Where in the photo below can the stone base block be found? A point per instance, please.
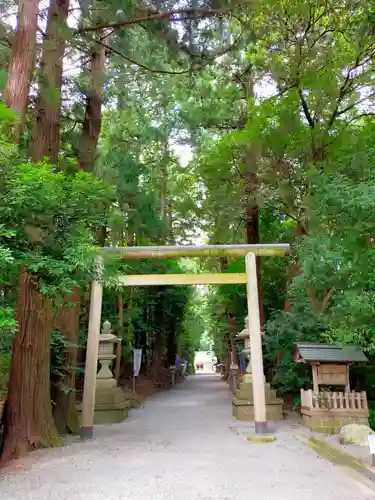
(111, 406)
(109, 414)
(109, 396)
(244, 410)
(330, 421)
(113, 414)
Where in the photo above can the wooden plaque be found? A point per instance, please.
(329, 374)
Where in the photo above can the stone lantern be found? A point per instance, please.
(106, 356)
(245, 336)
(111, 403)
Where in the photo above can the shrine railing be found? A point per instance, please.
(352, 401)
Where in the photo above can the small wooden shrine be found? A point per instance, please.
(328, 410)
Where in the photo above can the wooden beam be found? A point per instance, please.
(182, 279)
(165, 252)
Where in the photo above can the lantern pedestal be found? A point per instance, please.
(111, 405)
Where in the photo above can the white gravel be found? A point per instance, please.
(183, 445)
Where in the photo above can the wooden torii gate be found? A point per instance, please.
(136, 253)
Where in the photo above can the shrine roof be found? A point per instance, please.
(329, 353)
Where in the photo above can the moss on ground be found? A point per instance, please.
(261, 439)
(331, 453)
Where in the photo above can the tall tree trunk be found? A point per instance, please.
(171, 239)
(87, 147)
(163, 196)
(232, 329)
(164, 233)
(46, 143)
(251, 207)
(232, 334)
(46, 138)
(22, 61)
(295, 268)
(64, 393)
(29, 417)
(29, 411)
(120, 310)
(93, 114)
(252, 238)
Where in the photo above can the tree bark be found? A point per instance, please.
(295, 268)
(29, 416)
(251, 190)
(64, 393)
(164, 233)
(16, 94)
(232, 328)
(46, 143)
(93, 113)
(29, 420)
(120, 310)
(253, 237)
(232, 334)
(46, 138)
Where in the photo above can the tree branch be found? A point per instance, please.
(158, 16)
(351, 106)
(326, 300)
(361, 115)
(345, 87)
(6, 43)
(305, 108)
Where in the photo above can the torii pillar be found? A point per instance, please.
(256, 358)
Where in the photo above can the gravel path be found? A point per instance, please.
(183, 445)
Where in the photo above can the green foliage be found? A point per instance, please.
(283, 330)
(5, 360)
(7, 322)
(362, 377)
(337, 256)
(194, 327)
(58, 345)
(371, 419)
(48, 219)
(59, 370)
(151, 313)
(7, 330)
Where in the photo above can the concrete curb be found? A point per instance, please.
(338, 457)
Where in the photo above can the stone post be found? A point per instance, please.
(233, 373)
(172, 370)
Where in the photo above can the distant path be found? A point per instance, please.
(184, 445)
